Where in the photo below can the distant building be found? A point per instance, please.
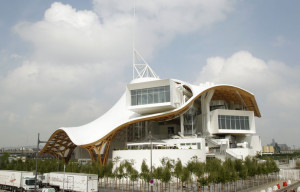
(268, 150)
(280, 147)
(284, 147)
(289, 151)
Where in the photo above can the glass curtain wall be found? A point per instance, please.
(150, 95)
(137, 132)
(191, 121)
(233, 122)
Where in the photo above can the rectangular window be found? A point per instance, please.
(237, 123)
(227, 122)
(144, 99)
(170, 130)
(233, 122)
(160, 97)
(167, 88)
(247, 125)
(139, 99)
(150, 98)
(199, 145)
(144, 91)
(155, 97)
(150, 95)
(167, 94)
(133, 100)
(223, 123)
(161, 89)
(242, 119)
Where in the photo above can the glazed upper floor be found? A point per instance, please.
(149, 96)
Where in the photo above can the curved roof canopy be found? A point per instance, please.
(97, 135)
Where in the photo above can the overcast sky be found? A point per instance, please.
(65, 63)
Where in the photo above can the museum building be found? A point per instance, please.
(175, 119)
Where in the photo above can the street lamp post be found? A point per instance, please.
(64, 177)
(151, 174)
(36, 160)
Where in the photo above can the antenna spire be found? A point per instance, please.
(141, 69)
(133, 39)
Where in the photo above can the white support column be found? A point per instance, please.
(182, 124)
(205, 101)
(146, 129)
(203, 115)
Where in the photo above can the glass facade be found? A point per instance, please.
(191, 121)
(233, 122)
(150, 95)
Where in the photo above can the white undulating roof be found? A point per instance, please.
(119, 115)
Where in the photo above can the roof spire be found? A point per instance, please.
(141, 69)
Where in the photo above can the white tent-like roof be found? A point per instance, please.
(97, 135)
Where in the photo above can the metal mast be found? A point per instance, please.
(141, 69)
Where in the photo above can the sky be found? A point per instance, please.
(65, 63)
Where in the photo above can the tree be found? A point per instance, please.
(157, 174)
(130, 171)
(199, 172)
(167, 169)
(229, 171)
(184, 177)
(133, 175)
(166, 162)
(166, 175)
(213, 168)
(145, 173)
(251, 165)
(192, 167)
(229, 167)
(202, 181)
(101, 174)
(107, 170)
(178, 170)
(4, 160)
(241, 169)
(272, 166)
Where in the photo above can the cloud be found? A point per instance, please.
(240, 69)
(69, 36)
(77, 67)
(272, 78)
(75, 58)
(275, 85)
(158, 22)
